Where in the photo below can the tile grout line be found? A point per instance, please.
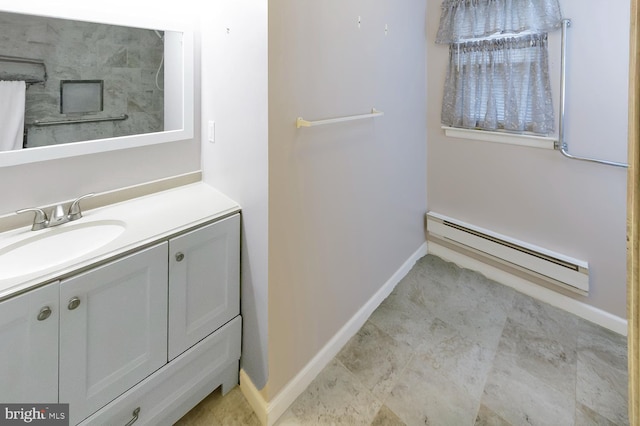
(493, 360)
(357, 380)
(411, 358)
(400, 374)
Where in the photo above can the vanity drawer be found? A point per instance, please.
(168, 394)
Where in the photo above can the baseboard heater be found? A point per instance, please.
(552, 267)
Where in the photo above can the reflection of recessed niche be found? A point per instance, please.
(81, 96)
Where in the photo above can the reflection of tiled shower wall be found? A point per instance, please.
(127, 59)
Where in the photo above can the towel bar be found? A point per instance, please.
(300, 122)
(29, 61)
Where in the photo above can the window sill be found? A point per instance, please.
(501, 137)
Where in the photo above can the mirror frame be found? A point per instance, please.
(72, 149)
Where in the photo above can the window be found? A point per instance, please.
(498, 72)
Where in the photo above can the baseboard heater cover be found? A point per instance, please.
(553, 267)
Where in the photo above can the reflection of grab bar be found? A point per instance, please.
(300, 122)
(80, 120)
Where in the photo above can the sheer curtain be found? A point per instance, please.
(498, 73)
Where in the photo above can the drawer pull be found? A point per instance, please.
(44, 313)
(179, 256)
(135, 414)
(73, 303)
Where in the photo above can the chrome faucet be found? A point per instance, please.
(57, 215)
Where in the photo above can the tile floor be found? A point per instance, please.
(450, 347)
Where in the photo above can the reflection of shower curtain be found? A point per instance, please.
(12, 100)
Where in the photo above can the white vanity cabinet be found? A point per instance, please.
(113, 329)
(136, 331)
(204, 282)
(202, 348)
(29, 346)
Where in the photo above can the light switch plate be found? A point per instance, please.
(211, 131)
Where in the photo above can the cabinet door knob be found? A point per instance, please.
(135, 415)
(179, 256)
(44, 313)
(74, 303)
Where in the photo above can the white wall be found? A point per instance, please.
(52, 181)
(234, 95)
(346, 201)
(536, 195)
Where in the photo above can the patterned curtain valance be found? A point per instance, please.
(467, 19)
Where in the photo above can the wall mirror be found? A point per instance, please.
(72, 86)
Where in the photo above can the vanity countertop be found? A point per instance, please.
(146, 220)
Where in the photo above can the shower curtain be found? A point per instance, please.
(12, 104)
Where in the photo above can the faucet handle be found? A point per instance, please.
(74, 208)
(40, 221)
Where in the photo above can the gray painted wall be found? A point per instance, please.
(346, 201)
(537, 195)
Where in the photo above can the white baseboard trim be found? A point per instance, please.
(270, 412)
(253, 397)
(576, 307)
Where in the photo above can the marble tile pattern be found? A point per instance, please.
(450, 347)
(126, 59)
(231, 409)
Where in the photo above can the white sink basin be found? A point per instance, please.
(39, 250)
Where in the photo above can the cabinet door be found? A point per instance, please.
(113, 329)
(204, 282)
(29, 347)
